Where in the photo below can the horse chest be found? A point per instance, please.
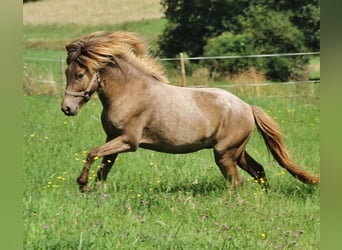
(112, 125)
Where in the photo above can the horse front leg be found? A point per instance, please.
(105, 167)
(82, 180)
(113, 147)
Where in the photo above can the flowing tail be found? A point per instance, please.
(275, 144)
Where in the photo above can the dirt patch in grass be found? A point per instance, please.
(90, 12)
(314, 67)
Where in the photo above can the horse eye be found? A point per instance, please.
(79, 76)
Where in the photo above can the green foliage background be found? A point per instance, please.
(254, 27)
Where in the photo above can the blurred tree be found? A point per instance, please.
(193, 22)
(234, 27)
(304, 14)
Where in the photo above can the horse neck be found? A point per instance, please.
(119, 83)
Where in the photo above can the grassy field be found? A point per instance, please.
(153, 200)
(90, 12)
(161, 201)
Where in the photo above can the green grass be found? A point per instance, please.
(161, 201)
(54, 37)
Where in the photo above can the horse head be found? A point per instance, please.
(81, 84)
(94, 53)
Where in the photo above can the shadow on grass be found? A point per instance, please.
(197, 188)
(295, 190)
(219, 186)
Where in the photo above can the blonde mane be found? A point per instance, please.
(98, 49)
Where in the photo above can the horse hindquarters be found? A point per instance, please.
(235, 129)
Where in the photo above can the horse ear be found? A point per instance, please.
(83, 49)
(114, 60)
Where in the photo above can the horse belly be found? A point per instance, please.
(177, 138)
(175, 148)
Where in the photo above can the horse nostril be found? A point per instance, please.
(66, 110)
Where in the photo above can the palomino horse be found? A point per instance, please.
(141, 110)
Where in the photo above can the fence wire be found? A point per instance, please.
(61, 64)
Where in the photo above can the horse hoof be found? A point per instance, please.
(84, 189)
(265, 187)
(82, 181)
(101, 186)
(264, 184)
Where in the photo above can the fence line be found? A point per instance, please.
(41, 59)
(245, 56)
(230, 85)
(43, 81)
(268, 84)
(181, 58)
(200, 57)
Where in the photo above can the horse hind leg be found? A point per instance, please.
(251, 166)
(228, 168)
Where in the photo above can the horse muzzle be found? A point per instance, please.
(70, 109)
(67, 111)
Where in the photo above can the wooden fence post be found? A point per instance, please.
(182, 69)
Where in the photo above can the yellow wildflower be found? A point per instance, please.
(263, 236)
